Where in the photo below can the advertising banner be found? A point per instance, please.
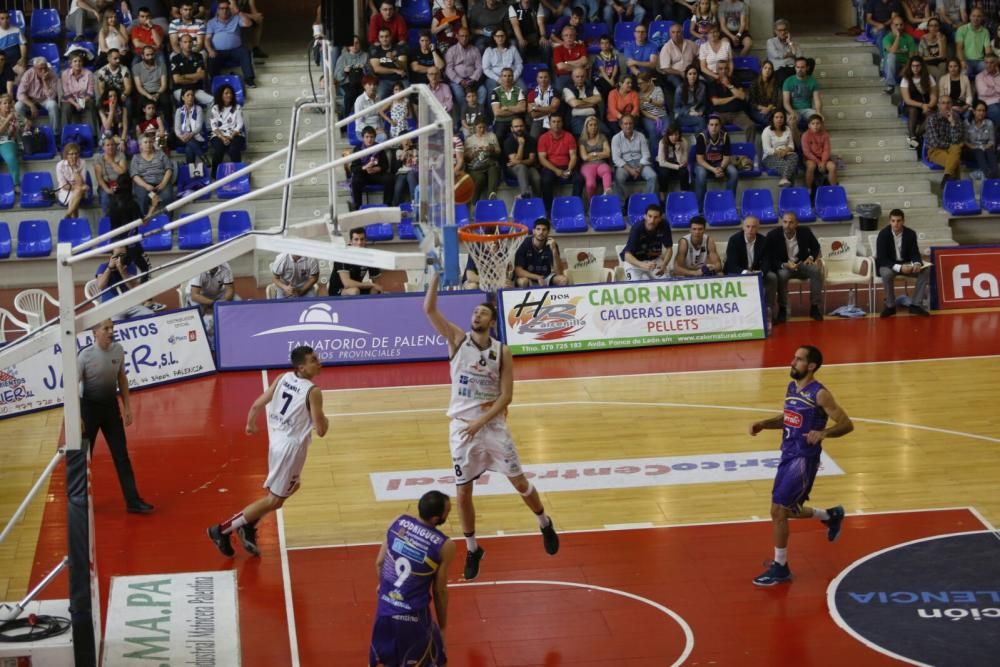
(635, 314)
(158, 348)
(344, 330)
(967, 276)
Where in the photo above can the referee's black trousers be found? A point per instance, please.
(106, 418)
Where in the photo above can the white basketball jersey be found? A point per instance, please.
(696, 256)
(475, 378)
(288, 412)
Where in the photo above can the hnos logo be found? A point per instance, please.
(984, 285)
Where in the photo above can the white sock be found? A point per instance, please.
(470, 542)
(781, 556)
(235, 522)
(543, 519)
(822, 515)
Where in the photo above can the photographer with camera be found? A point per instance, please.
(123, 209)
(119, 273)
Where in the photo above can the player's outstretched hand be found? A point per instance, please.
(251, 428)
(814, 437)
(756, 428)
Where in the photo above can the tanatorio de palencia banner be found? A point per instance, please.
(158, 348)
(635, 314)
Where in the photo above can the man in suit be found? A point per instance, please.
(793, 252)
(897, 254)
(745, 254)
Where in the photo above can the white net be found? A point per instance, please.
(492, 247)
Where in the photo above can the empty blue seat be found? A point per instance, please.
(186, 184)
(234, 188)
(74, 231)
(797, 201)
(933, 166)
(378, 231)
(7, 196)
(352, 134)
(50, 144)
(624, 34)
(747, 150)
(681, 207)
(34, 238)
(760, 204)
(461, 215)
(659, 32)
(720, 208)
(746, 63)
(195, 234)
(416, 12)
(45, 25)
(687, 29)
(161, 241)
(637, 205)
(958, 198)
(5, 242)
(591, 35)
(103, 227)
(526, 211)
(990, 195)
(404, 230)
(17, 20)
(220, 80)
(606, 214)
(831, 203)
(80, 134)
(530, 74)
(568, 216)
(32, 184)
(46, 50)
(491, 210)
(233, 223)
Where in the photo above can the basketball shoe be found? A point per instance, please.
(248, 538)
(775, 574)
(221, 541)
(833, 523)
(472, 563)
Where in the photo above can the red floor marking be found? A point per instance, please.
(702, 573)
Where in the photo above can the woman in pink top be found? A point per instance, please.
(622, 100)
(816, 150)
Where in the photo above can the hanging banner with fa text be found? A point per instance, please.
(637, 314)
(159, 348)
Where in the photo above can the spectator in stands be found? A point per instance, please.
(387, 18)
(294, 275)
(71, 180)
(113, 36)
(878, 17)
(933, 48)
(224, 43)
(729, 102)
(83, 15)
(971, 43)
(538, 262)
(765, 96)
(734, 21)
(641, 55)
(471, 111)
(988, 87)
(150, 78)
(398, 114)
(898, 47)
(146, 33)
(595, 152)
(919, 93)
(714, 50)
(464, 67)
(388, 61)
(13, 45)
(817, 155)
(953, 15)
(567, 57)
(652, 110)
(482, 163)
(152, 173)
(440, 90)
(672, 161)
(206, 288)
(616, 11)
(574, 18)
(225, 121)
(499, 57)
(373, 170)
(557, 153)
(745, 254)
(485, 18)
(676, 56)
(703, 19)
(7, 77)
(801, 97)
(354, 279)
(649, 247)
(980, 140)
(944, 136)
(713, 156)
(543, 104)
(77, 94)
(252, 34)
(696, 253)
(38, 89)
(957, 86)
(689, 102)
(350, 71)
(119, 274)
(607, 67)
(153, 123)
(188, 24)
(187, 71)
(898, 254)
(109, 167)
(792, 251)
(528, 26)
(917, 13)
(11, 126)
(778, 147)
(623, 100)
(189, 121)
(782, 51)
(446, 22)
(115, 76)
(424, 59)
(584, 101)
(114, 117)
(367, 102)
(630, 156)
(520, 156)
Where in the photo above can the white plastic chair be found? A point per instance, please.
(90, 290)
(843, 266)
(31, 304)
(592, 275)
(7, 316)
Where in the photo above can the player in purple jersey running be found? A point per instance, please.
(808, 406)
(414, 557)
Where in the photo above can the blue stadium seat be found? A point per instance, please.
(568, 216)
(88, 198)
(413, 39)
(103, 227)
(720, 208)
(760, 204)
(7, 195)
(34, 238)
(352, 134)
(162, 241)
(219, 80)
(746, 150)
(681, 207)
(831, 203)
(50, 144)
(232, 189)
(5, 241)
(461, 215)
(186, 184)
(233, 223)
(687, 29)
(46, 50)
(591, 35)
(195, 234)
(530, 74)
(958, 198)
(797, 201)
(416, 12)
(74, 231)
(378, 231)
(32, 184)
(990, 195)
(405, 230)
(17, 20)
(81, 134)
(933, 166)
(624, 34)
(491, 210)
(637, 205)
(45, 25)
(747, 64)
(526, 211)
(659, 32)
(606, 214)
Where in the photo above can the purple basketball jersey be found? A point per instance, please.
(412, 558)
(802, 414)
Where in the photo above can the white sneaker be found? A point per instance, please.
(784, 183)
(912, 142)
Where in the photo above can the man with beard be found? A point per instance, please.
(808, 406)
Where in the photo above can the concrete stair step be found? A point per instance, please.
(895, 200)
(869, 188)
(832, 56)
(853, 156)
(862, 112)
(868, 81)
(880, 125)
(841, 70)
(843, 141)
(862, 96)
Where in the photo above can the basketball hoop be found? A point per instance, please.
(491, 246)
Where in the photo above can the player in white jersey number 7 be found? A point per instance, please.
(482, 386)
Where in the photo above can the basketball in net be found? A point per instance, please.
(492, 245)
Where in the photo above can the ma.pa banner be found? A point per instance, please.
(637, 314)
(159, 348)
(344, 330)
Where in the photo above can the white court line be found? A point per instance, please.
(685, 628)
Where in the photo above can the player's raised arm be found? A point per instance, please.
(842, 423)
(441, 584)
(319, 420)
(261, 401)
(778, 421)
(447, 329)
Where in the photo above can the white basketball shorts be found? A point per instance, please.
(492, 448)
(284, 467)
